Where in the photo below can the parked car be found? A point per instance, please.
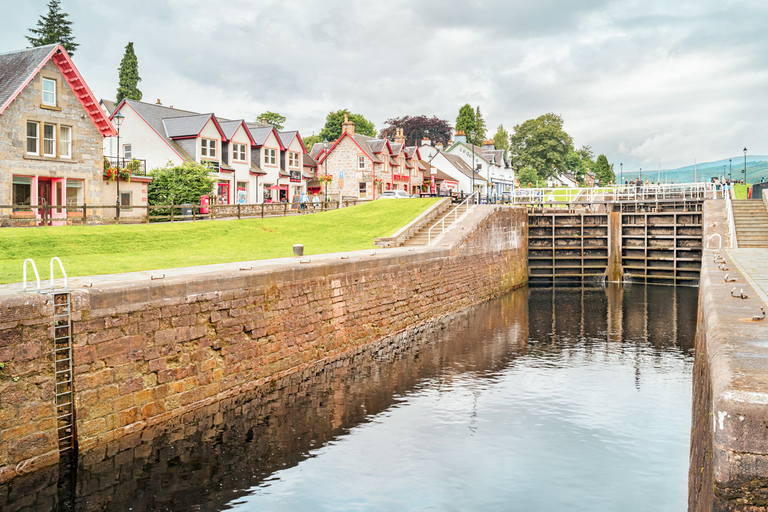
(394, 194)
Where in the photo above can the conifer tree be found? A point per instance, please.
(480, 128)
(465, 121)
(129, 76)
(54, 28)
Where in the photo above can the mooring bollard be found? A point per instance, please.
(298, 250)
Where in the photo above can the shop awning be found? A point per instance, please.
(278, 187)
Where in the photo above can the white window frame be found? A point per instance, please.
(53, 140)
(208, 147)
(65, 143)
(293, 159)
(361, 162)
(51, 103)
(362, 190)
(128, 151)
(36, 138)
(238, 152)
(269, 156)
(74, 185)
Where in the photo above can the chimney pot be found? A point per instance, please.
(158, 102)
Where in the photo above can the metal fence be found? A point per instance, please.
(86, 214)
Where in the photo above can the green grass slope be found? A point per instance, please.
(94, 250)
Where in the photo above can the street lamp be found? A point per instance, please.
(472, 134)
(325, 149)
(745, 166)
(118, 118)
(730, 169)
(621, 176)
(488, 174)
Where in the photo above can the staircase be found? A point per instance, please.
(751, 220)
(421, 237)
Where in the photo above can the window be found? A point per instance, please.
(269, 156)
(49, 92)
(127, 151)
(238, 152)
(242, 192)
(49, 139)
(65, 139)
(208, 147)
(293, 159)
(22, 190)
(361, 162)
(33, 138)
(74, 192)
(126, 199)
(363, 190)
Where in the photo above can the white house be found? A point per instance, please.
(488, 162)
(456, 174)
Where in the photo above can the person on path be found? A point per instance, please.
(315, 200)
(303, 200)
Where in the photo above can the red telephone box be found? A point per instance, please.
(204, 202)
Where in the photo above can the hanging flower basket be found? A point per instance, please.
(325, 178)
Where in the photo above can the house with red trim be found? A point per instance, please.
(362, 167)
(252, 161)
(51, 135)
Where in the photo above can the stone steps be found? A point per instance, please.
(421, 237)
(750, 219)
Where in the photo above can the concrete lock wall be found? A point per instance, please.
(151, 351)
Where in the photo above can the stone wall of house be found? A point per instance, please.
(344, 159)
(86, 162)
(150, 351)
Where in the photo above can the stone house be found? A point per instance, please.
(51, 135)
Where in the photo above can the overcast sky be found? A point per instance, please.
(642, 81)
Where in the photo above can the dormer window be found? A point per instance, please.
(293, 159)
(49, 92)
(269, 156)
(208, 148)
(238, 152)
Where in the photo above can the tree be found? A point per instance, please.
(470, 120)
(272, 118)
(415, 128)
(333, 121)
(501, 139)
(311, 141)
(480, 128)
(54, 28)
(180, 184)
(528, 177)
(604, 170)
(129, 76)
(542, 144)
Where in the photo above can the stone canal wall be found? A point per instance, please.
(152, 350)
(729, 430)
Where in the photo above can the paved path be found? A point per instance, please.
(753, 264)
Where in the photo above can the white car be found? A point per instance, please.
(394, 194)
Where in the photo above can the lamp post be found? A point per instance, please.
(325, 160)
(472, 134)
(621, 175)
(745, 166)
(730, 169)
(118, 118)
(488, 174)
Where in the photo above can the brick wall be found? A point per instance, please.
(148, 352)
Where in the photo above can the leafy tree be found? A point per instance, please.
(311, 141)
(604, 170)
(334, 120)
(415, 128)
(528, 177)
(542, 144)
(501, 139)
(180, 184)
(54, 28)
(129, 76)
(470, 120)
(272, 118)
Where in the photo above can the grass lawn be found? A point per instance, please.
(93, 250)
(740, 191)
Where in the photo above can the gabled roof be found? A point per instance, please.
(19, 68)
(411, 151)
(260, 133)
(317, 149)
(462, 166)
(396, 148)
(308, 161)
(378, 145)
(154, 115)
(360, 140)
(479, 152)
(287, 137)
(187, 126)
(230, 128)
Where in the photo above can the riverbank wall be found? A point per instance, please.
(152, 350)
(729, 431)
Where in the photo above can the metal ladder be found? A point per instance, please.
(62, 360)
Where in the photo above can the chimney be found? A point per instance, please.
(439, 146)
(489, 144)
(460, 137)
(264, 120)
(158, 102)
(425, 141)
(348, 126)
(399, 137)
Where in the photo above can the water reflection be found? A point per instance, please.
(544, 399)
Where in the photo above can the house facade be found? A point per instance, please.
(488, 162)
(449, 172)
(51, 135)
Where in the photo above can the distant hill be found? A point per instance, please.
(757, 168)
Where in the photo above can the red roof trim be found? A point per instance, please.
(345, 134)
(218, 127)
(122, 103)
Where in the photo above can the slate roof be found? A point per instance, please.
(316, 149)
(229, 127)
(462, 166)
(17, 67)
(396, 148)
(497, 154)
(377, 145)
(186, 126)
(154, 116)
(364, 142)
(109, 105)
(255, 169)
(308, 160)
(287, 137)
(259, 133)
(410, 151)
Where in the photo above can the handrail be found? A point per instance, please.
(719, 240)
(612, 193)
(62, 271)
(727, 190)
(454, 213)
(37, 276)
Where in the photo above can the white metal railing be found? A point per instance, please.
(655, 192)
(37, 276)
(727, 192)
(470, 200)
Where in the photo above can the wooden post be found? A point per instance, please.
(147, 213)
(285, 209)
(238, 211)
(213, 216)
(85, 215)
(171, 212)
(194, 215)
(117, 214)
